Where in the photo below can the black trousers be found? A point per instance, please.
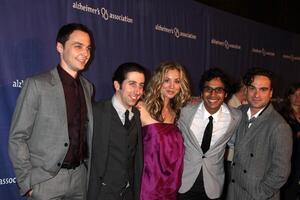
(197, 192)
(109, 193)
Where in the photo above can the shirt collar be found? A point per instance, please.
(256, 114)
(120, 108)
(65, 77)
(216, 115)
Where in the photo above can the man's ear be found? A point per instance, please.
(271, 93)
(59, 47)
(116, 85)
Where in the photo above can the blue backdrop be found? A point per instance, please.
(143, 31)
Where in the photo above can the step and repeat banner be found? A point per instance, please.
(143, 31)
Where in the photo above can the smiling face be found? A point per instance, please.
(131, 89)
(75, 53)
(259, 93)
(171, 84)
(213, 95)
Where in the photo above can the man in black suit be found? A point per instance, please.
(116, 163)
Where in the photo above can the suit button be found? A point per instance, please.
(59, 164)
(66, 144)
(203, 157)
(251, 154)
(245, 171)
(232, 180)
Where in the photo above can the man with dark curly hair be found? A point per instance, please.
(263, 145)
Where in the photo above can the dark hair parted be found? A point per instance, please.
(213, 73)
(153, 99)
(66, 30)
(121, 72)
(257, 71)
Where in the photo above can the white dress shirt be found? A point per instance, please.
(221, 123)
(253, 116)
(121, 109)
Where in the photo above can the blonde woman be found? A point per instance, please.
(167, 92)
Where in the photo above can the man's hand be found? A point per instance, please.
(28, 193)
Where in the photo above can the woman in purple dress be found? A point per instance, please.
(166, 93)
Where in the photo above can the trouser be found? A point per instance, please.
(197, 192)
(68, 184)
(108, 193)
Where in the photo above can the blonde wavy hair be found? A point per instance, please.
(153, 99)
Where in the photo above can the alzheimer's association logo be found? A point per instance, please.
(18, 83)
(175, 31)
(102, 12)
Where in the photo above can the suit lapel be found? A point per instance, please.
(87, 94)
(252, 131)
(59, 95)
(135, 118)
(106, 123)
(233, 123)
(139, 157)
(190, 116)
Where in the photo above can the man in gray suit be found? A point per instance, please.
(263, 145)
(116, 163)
(206, 128)
(51, 129)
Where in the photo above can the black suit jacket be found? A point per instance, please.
(102, 115)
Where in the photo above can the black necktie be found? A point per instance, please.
(127, 122)
(207, 135)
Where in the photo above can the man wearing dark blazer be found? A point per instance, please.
(203, 171)
(263, 145)
(51, 129)
(116, 163)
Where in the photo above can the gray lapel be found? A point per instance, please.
(233, 123)
(189, 119)
(59, 95)
(87, 95)
(250, 133)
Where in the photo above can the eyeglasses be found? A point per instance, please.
(218, 90)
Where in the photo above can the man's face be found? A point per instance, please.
(131, 89)
(259, 93)
(213, 95)
(171, 85)
(75, 53)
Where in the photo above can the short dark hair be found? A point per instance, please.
(66, 30)
(257, 71)
(121, 72)
(213, 73)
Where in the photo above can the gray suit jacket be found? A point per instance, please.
(39, 129)
(212, 163)
(261, 162)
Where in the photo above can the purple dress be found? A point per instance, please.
(163, 161)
